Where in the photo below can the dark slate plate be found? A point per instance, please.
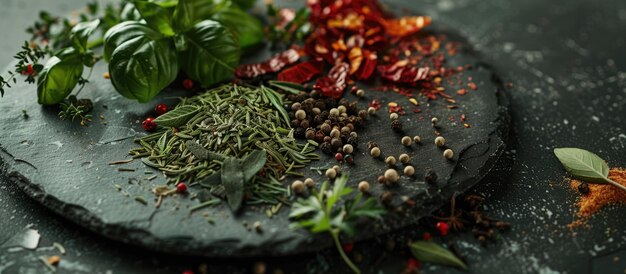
(64, 166)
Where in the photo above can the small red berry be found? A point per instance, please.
(443, 228)
(412, 265)
(188, 84)
(187, 272)
(339, 157)
(160, 109)
(181, 187)
(28, 70)
(426, 236)
(348, 247)
(149, 124)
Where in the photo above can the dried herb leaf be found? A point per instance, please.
(290, 87)
(202, 153)
(177, 117)
(253, 163)
(583, 164)
(430, 252)
(232, 179)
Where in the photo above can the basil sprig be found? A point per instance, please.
(202, 38)
(149, 42)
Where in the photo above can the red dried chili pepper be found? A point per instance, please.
(274, 64)
(301, 73)
(334, 84)
(402, 72)
(368, 68)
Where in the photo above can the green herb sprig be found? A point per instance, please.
(334, 213)
(585, 166)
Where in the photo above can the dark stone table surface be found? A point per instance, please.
(567, 63)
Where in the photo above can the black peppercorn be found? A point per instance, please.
(431, 176)
(327, 148)
(309, 134)
(319, 136)
(396, 125)
(336, 143)
(299, 133)
(304, 123)
(583, 188)
(295, 123)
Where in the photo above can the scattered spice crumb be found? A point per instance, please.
(599, 196)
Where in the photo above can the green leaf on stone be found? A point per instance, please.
(233, 182)
(430, 252)
(253, 163)
(583, 164)
(177, 117)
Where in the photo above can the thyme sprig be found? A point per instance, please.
(332, 212)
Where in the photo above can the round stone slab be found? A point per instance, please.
(65, 166)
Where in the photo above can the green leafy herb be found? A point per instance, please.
(293, 88)
(233, 181)
(141, 67)
(247, 29)
(430, 252)
(212, 53)
(81, 32)
(334, 212)
(73, 110)
(58, 78)
(156, 16)
(177, 117)
(585, 165)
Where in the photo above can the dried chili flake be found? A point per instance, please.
(405, 26)
(302, 72)
(356, 58)
(472, 86)
(401, 72)
(334, 84)
(461, 91)
(375, 104)
(368, 68)
(272, 65)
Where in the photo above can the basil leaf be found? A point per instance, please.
(81, 32)
(59, 77)
(212, 53)
(583, 164)
(247, 29)
(129, 13)
(177, 117)
(158, 16)
(232, 180)
(125, 31)
(253, 163)
(430, 252)
(141, 67)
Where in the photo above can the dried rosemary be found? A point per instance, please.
(228, 121)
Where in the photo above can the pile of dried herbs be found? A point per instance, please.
(194, 140)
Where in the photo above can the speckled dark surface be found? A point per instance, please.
(568, 91)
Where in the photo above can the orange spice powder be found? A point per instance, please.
(599, 196)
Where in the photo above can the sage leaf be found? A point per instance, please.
(584, 165)
(212, 180)
(430, 252)
(253, 163)
(232, 180)
(212, 53)
(202, 153)
(177, 117)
